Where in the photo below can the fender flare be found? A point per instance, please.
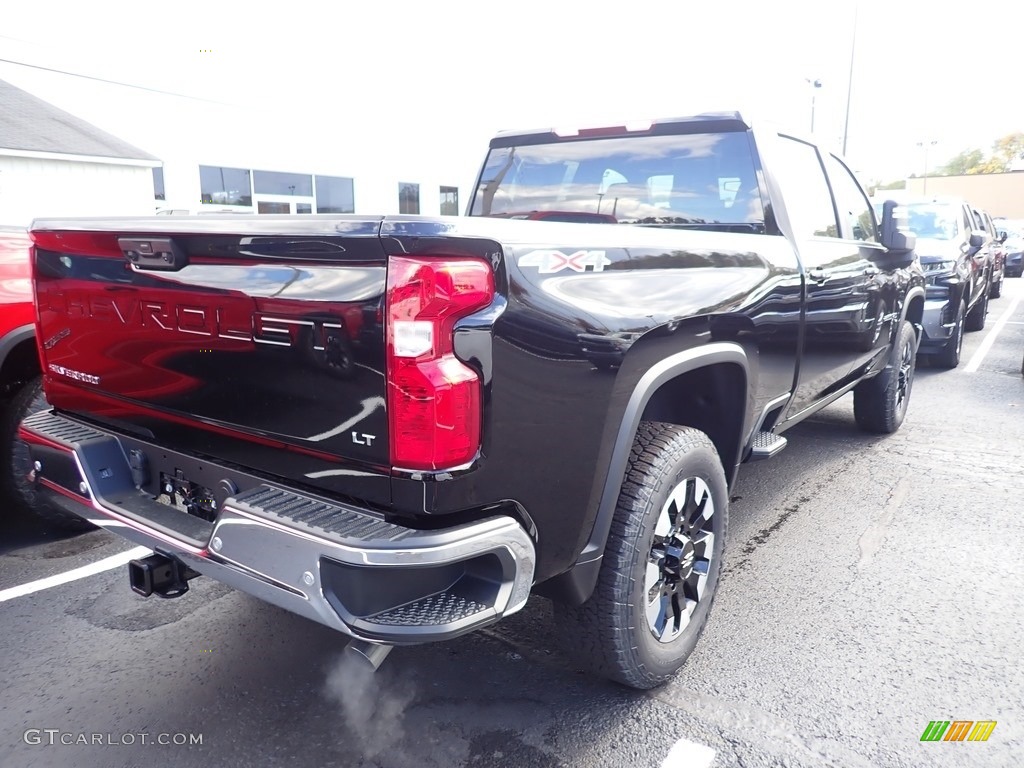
(912, 294)
(576, 584)
(14, 338)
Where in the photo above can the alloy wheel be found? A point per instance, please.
(680, 559)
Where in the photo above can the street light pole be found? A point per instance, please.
(849, 82)
(815, 85)
(925, 145)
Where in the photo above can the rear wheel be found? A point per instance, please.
(949, 355)
(15, 464)
(880, 404)
(661, 563)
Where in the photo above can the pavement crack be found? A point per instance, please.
(874, 535)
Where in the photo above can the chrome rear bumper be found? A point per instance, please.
(342, 566)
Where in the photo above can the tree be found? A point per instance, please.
(1005, 151)
(967, 162)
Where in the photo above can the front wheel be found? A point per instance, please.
(976, 317)
(997, 288)
(949, 356)
(661, 563)
(880, 403)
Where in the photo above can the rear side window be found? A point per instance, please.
(692, 180)
(855, 215)
(968, 220)
(808, 199)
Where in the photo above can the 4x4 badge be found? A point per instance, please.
(549, 262)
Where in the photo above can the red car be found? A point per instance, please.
(21, 392)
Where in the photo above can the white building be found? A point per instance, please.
(55, 164)
(210, 157)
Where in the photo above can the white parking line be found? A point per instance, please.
(986, 344)
(688, 754)
(106, 564)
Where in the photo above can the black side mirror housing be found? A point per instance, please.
(977, 240)
(899, 244)
(1002, 236)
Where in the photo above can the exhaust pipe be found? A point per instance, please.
(159, 575)
(369, 655)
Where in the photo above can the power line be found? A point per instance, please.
(115, 82)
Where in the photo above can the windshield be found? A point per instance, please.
(696, 180)
(933, 221)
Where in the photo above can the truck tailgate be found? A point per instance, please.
(274, 338)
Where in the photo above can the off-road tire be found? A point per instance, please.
(949, 356)
(611, 633)
(17, 491)
(880, 403)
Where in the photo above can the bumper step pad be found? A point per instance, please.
(442, 608)
(320, 517)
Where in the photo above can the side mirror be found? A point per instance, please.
(898, 242)
(977, 240)
(1002, 236)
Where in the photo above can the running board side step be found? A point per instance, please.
(765, 445)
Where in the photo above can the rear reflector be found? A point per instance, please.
(434, 399)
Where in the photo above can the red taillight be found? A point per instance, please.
(434, 399)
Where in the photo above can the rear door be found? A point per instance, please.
(840, 317)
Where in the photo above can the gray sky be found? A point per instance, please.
(427, 84)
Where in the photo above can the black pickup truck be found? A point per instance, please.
(401, 427)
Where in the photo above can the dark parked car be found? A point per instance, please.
(958, 273)
(1014, 245)
(558, 408)
(997, 252)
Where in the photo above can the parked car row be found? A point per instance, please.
(964, 258)
(1014, 245)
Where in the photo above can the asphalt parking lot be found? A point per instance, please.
(872, 585)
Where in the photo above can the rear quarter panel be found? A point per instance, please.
(590, 308)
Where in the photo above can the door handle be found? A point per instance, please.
(818, 275)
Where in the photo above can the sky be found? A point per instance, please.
(425, 85)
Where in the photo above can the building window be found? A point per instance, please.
(449, 201)
(275, 183)
(408, 198)
(158, 184)
(303, 208)
(262, 206)
(224, 186)
(334, 195)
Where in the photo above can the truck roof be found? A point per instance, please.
(706, 121)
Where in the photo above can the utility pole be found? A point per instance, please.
(925, 145)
